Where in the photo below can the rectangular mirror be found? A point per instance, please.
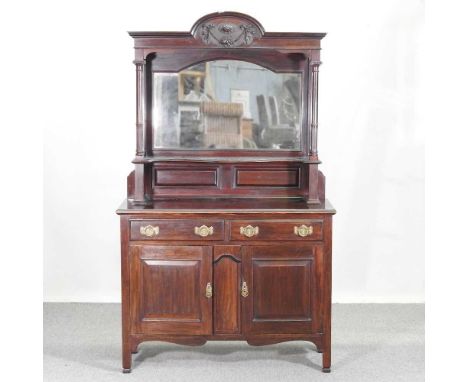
(227, 104)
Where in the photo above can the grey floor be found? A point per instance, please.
(370, 342)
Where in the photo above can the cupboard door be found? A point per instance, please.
(279, 289)
(169, 290)
(226, 300)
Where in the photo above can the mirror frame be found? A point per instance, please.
(277, 62)
(224, 36)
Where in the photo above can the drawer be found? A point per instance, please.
(172, 229)
(308, 229)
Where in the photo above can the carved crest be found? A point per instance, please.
(227, 30)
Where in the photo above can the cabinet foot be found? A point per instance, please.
(126, 360)
(319, 351)
(326, 361)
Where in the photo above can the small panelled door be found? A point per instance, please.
(170, 289)
(279, 289)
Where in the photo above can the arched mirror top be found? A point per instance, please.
(227, 105)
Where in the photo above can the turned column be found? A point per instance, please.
(314, 71)
(314, 189)
(139, 187)
(140, 88)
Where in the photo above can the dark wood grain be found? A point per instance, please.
(288, 266)
(270, 339)
(176, 339)
(125, 284)
(165, 275)
(167, 287)
(174, 176)
(327, 295)
(174, 60)
(295, 207)
(176, 229)
(276, 230)
(281, 282)
(228, 179)
(279, 52)
(227, 275)
(268, 177)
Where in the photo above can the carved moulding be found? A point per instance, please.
(227, 30)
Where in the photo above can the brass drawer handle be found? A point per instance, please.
(244, 290)
(303, 230)
(209, 291)
(149, 230)
(203, 231)
(249, 231)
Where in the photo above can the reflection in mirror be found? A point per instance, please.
(227, 104)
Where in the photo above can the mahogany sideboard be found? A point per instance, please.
(226, 233)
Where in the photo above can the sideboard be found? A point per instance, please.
(225, 232)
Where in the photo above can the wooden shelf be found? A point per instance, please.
(215, 205)
(236, 159)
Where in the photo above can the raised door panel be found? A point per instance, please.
(280, 291)
(168, 289)
(227, 275)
